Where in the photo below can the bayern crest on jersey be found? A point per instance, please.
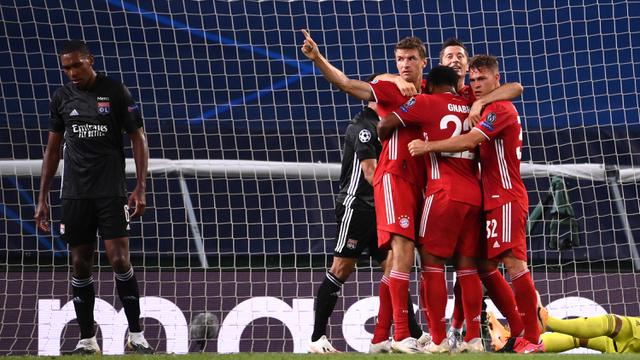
(404, 221)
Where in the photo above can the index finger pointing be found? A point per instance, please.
(306, 34)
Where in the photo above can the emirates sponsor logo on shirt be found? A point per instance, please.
(89, 130)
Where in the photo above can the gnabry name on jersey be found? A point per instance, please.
(458, 108)
(90, 130)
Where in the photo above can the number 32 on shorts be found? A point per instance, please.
(492, 225)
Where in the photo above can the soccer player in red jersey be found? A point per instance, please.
(449, 226)
(398, 181)
(455, 55)
(499, 135)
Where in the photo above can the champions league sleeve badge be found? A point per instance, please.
(364, 136)
(489, 121)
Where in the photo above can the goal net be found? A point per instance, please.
(245, 141)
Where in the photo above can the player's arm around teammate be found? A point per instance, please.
(505, 197)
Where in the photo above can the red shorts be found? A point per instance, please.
(396, 201)
(449, 227)
(506, 229)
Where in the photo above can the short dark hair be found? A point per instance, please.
(442, 75)
(373, 77)
(484, 61)
(413, 43)
(452, 42)
(75, 45)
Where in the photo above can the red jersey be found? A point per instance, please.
(395, 157)
(442, 116)
(500, 155)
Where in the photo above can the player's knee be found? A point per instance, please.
(487, 267)
(342, 268)
(82, 268)
(120, 264)
(614, 325)
(514, 265)
(430, 259)
(465, 262)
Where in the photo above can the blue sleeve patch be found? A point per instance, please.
(408, 104)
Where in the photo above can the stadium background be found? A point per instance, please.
(226, 80)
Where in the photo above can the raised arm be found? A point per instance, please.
(50, 163)
(137, 199)
(356, 88)
(508, 91)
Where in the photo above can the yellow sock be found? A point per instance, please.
(584, 328)
(555, 342)
(603, 344)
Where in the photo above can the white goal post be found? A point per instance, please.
(611, 175)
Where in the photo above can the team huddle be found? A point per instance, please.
(443, 178)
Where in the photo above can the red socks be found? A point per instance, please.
(385, 313)
(399, 286)
(457, 319)
(471, 298)
(433, 279)
(527, 304)
(502, 296)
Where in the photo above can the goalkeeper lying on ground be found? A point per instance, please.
(606, 333)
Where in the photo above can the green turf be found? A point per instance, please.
(345, 356)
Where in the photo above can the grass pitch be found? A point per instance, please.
(342, 356)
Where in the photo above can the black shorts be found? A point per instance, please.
(357, 232)
(81, 218)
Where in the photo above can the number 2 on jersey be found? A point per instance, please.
(460, 125)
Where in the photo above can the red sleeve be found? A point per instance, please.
(387, 93)
(495, 118)
(413, 111)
